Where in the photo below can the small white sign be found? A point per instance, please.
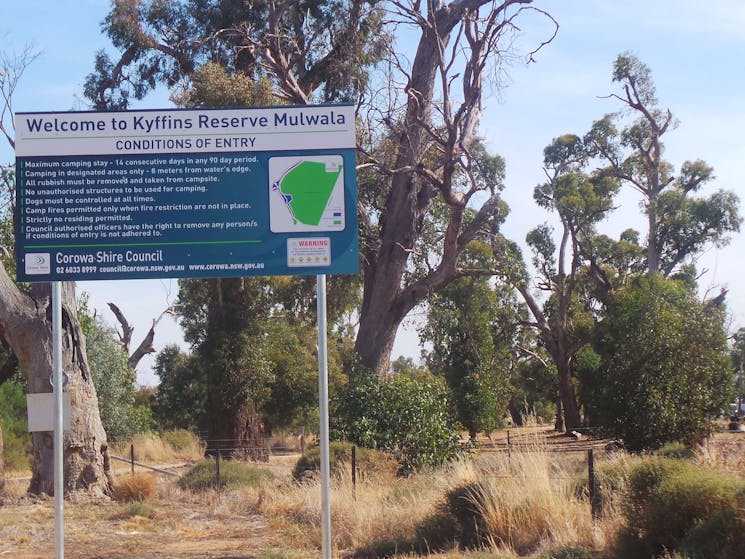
(38, 263)
(308, 252)
(41, 411)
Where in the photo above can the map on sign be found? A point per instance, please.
(306, 193)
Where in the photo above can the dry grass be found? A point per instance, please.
(165, 448)
(136, 487)
(529, 502)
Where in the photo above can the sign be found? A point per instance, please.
(186, 193)
(40, 408)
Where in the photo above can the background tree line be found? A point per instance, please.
(592, 328)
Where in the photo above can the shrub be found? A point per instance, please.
(369, 462)
(138, 487)
(521, 505)
(676, 505)
(665, 371)
(611, 477)
(410, 418)
(232, 474)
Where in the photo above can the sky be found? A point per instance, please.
(694, 50)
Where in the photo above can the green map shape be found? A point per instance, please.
(309, 187)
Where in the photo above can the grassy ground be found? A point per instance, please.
(539, 511)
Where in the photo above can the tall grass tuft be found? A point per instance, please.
(522, 503)
(378, 517)
(138, 487)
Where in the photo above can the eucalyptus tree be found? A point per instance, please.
(324, 52)
(431, 161)
(565, 321)
(679, 225)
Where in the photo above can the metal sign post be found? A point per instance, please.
(323, 408)
(59, 472)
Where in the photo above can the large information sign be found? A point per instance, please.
(186, 193)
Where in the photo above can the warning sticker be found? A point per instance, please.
(308, 252)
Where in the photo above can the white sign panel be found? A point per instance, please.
(41, 411)
(313, 127)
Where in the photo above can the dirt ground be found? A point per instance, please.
(104, 529)
(180, 529)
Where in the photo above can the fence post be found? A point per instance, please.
(591, 483)
(217, 469)
(509, 447)
(354, 472)
(132, 457)
(302, 441)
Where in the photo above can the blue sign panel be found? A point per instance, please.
(208, 193)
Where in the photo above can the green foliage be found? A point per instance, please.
(665, 369)
(293, 399)
(680, 225)
(369, 462)
(203, 476)
(212, 86)
(409, 418)
(181, 391)
(179, 439)
(14, 423)
(114, 380)
(471, 326)
(677, 505)
(7, 235)
(328, 46)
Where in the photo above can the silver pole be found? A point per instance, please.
(323, 408)
(59, 491)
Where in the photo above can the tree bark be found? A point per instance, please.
(386, 301)
(237, 434)
(568, 399)
(25, 326)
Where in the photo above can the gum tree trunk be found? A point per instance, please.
(25, 326)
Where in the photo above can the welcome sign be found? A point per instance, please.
(186, 193)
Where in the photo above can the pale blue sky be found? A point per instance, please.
(695, 51)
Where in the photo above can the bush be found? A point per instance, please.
(134, 488)
(675, 505)
(510, 513)
(138, 508)
(369, 462)
(665, 369)
(232, 474)
(410, 418)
